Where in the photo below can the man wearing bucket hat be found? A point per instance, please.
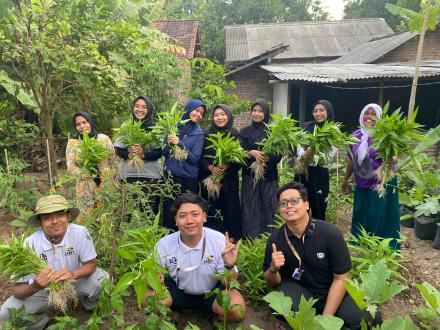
(68, 250)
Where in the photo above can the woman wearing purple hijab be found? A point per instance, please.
(378, 215)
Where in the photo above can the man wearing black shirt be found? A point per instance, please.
(310, 257)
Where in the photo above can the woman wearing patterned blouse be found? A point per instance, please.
(83, 123)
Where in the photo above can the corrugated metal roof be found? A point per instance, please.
(372, 50)
(335, 73)
(305, 39)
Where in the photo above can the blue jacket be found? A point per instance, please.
(191, 138)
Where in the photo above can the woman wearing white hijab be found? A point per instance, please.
(378, 215)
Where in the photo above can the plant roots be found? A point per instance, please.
(179, 153)
(257, 169)
(213, 185)
(136, 163)
(62, 295)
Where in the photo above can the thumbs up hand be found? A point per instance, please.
(277, 259)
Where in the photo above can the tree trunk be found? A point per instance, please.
(412, 98)
(46, 126)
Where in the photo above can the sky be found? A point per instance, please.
(334, 7)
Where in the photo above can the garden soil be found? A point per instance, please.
(423, 264)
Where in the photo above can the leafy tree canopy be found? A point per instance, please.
(376, 8)
(215, 14)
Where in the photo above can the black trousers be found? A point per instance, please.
(318, 186)
(347, 311)
(226, 206)
(186, 184)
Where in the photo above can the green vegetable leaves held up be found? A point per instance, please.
(17, 259)
(167, 123)
(91, 154)
(283, 134)
(321, 142)
(227, 151)
(131, 133)
(394, 136)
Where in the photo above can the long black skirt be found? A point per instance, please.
(259, 204)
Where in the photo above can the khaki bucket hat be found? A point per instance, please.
(51, 204)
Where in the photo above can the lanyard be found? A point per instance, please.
(292, 248)
(189, 269)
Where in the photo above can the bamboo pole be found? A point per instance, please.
(7, 161)
(412, 98)
(49, 167)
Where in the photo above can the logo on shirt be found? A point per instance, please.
(43, 256)
(209, 260)
(69, 251)
(320, 255)
(172, 261)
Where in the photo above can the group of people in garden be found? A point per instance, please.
(305, 256)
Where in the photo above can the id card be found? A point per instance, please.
(297, 273)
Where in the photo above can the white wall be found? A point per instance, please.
(281, 98)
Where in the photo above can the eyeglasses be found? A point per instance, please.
(292, 201)
(143, 107)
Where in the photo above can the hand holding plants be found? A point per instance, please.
(259, 156)
(173, 139)
(218, 170)
(277, 259)
(136, 150)
(229, 254)
(61, 275)
(43, 278)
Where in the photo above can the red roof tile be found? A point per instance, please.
(186, 32)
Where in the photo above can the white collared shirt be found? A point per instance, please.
(201, 278)
(75, 249)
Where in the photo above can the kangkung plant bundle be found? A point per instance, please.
(19, 260)
(227, 150)
(167, 123)
(283, 134)
(131, 133)
(393, 136)
(321, 142)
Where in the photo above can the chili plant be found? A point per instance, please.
(366, 250)
(374, 287)
(430, 314)
(250, 261)
(283, 134)
(305, 317)
(224, 298)
(227, 151)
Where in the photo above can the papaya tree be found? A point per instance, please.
(60, 56)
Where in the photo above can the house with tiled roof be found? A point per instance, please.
(349, 62)
(185, 33)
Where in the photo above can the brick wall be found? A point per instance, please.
(407, 52)
(251, 83)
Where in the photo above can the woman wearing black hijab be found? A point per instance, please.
(228, 202)
(151, 171)
(259, 201)
(317, 181)
(83, 123)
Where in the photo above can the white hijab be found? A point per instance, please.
(363, 146)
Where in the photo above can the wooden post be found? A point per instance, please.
(7, 161)
(380, 96)
(68, 136)
(302, 103)
(49, 167)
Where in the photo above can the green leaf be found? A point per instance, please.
(140, 288)
(356, 294)
(124, 282)
(279, 302)
(13, 87)
(431, 296)
(329, 321)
